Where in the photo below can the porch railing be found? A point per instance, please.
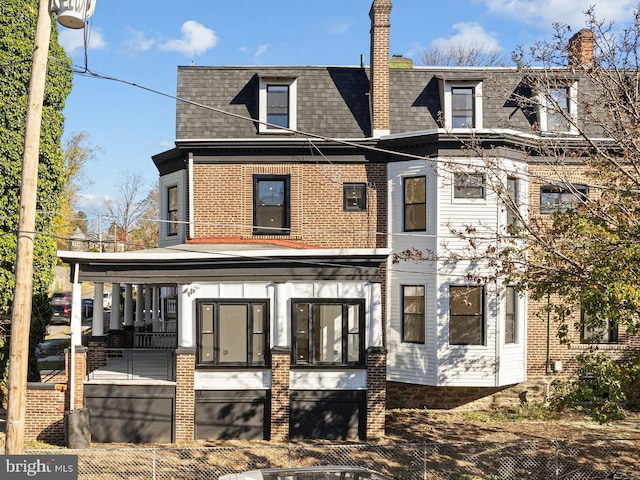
(156, 340)
(136, 364)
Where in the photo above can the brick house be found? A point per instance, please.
(272, 308)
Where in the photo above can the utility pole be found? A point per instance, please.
(21, 313)
(75, 14)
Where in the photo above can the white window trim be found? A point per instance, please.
(544, 107)
(448, 103)
(262, 104)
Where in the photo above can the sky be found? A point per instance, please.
(141, 43)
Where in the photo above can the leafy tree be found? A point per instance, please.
(77, 153)
(18, 20)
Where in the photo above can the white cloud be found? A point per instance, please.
(196, 39)
(73, 40)
(90, 203)
(138, 41)
(468, 33)
(339, 27)
(547, 12)
(262, 49)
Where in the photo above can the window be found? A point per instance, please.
(558, 109)
(468, 185)
(328, 332)
(277, 105)
(606, 333)
(560, 198)
(466, 315)
(511, 316)
(463, 104)
(415, 204)
(413, 315)
(354, 197)
(271, 205)
(513, 204)
(172, 210)
(462, 111)
(232, 333)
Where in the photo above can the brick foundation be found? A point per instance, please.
(376, 392)
(280, 393)
(185, 394)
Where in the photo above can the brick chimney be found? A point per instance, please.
(580, 48)
(379, 70)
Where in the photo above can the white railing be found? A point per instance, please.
(156, 340)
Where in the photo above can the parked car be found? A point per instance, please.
(60, 313)
(87, 307)
(329, 472)
(106, 300)
(60, 298)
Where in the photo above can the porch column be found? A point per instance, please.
(139, 323)
(114, 322)
(116, 333)
(76, 309)
(128, 305)
(280, 393)
(147, 304)
(186, 322)
(97, 327)
(185, 394)
(376, 392)
(128, 317)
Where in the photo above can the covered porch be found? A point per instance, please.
(204, 335)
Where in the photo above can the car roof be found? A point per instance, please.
(305, 473)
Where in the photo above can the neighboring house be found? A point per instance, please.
(272, 308)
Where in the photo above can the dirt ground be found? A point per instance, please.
(442, 426)
(448, 426)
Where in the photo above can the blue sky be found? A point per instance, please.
(144, 41)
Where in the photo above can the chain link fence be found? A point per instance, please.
(613, 459)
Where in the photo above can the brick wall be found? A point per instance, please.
(404, 395)
(280, 393)
(185, 394)
(45, 407)
(376, 392)
(79, 375)
(317, 216)
(543, 344)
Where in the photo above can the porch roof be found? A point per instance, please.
(189, 263)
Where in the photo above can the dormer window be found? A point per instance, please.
(462, 104)
(558, 109)
(277, 105)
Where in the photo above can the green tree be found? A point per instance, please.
(17, 30)
(77, 153)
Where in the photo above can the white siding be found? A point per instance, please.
(173, 179)
(328, 380)
(436, 362)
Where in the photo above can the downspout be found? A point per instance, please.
(548, 368)
(190, 190)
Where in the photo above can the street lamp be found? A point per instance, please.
(73, 14)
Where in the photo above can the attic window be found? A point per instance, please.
(462, 103)
(277, 105)
(558, 108)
